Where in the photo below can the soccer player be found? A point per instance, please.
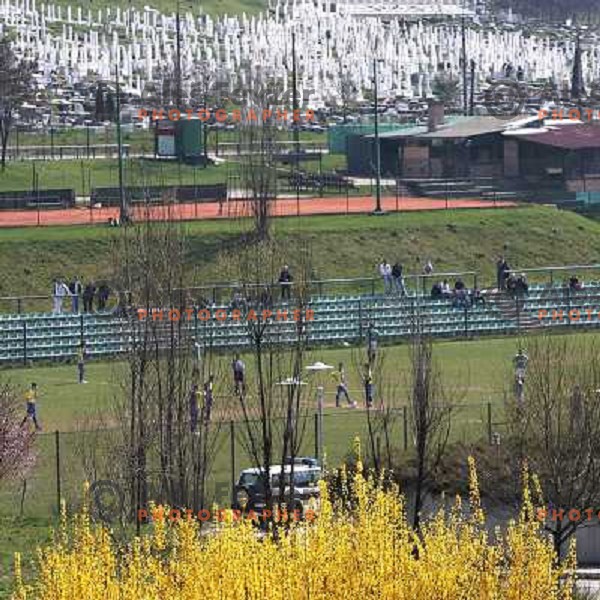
(194, 408)
(239, 369)
(520, 361)
(368, 379)
(372, 335)
(208, 398)
(342, 386)
(31, 400)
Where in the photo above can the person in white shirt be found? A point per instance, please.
(428, 268)
(60, 291)
(385, 270)
(446, 291)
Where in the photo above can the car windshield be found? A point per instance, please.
(301, 479)
(249, 479)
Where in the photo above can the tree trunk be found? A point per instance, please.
(419, 489)
(557, 538)
(4, 140)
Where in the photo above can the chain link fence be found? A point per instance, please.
(67, 460)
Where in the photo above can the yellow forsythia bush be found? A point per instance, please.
(371, 553)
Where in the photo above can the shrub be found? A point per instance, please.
(368, 551)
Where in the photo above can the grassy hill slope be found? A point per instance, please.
(342, 246)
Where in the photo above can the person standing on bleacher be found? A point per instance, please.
(76, 290)
(88, 297)
(60, 291)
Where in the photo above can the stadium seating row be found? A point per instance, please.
(42, 336)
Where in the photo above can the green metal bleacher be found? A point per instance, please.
(337, 319)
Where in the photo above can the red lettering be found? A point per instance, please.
(204, 514)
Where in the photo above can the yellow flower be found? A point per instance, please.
(368, 551)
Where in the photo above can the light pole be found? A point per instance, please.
(294, 123)
(291, 383)
(464, 63)
(123, 206)
(378, 210)
(319, 367)
(178, 49)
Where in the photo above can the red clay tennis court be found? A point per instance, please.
(236, 209)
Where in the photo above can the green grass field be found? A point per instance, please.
(477, 370)
(83, 175)
(342, 246)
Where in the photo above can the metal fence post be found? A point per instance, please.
(25, 342)
(320, 399)
(360, 319)
(489, 421)
(232, 447)
(58, 489)
(316, 434)
(405, 427)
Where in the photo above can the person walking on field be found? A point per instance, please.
(31, 396)
(208, 399)
(368, 381)
(194, 408)
(372, 335)
(239, 369)
(342, 386)
(81, 356)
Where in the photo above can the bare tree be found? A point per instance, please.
(380, 413)
(446, 88)
(261, 117)
(16, 83)
(16, 441)
(167, 408)
(557, 427)
(431, 411)
(274, 404)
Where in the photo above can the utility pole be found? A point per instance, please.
(378, 210)
(123, 217)
(178, 65)
(294, 123)
(472, 96)
(464, 65)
